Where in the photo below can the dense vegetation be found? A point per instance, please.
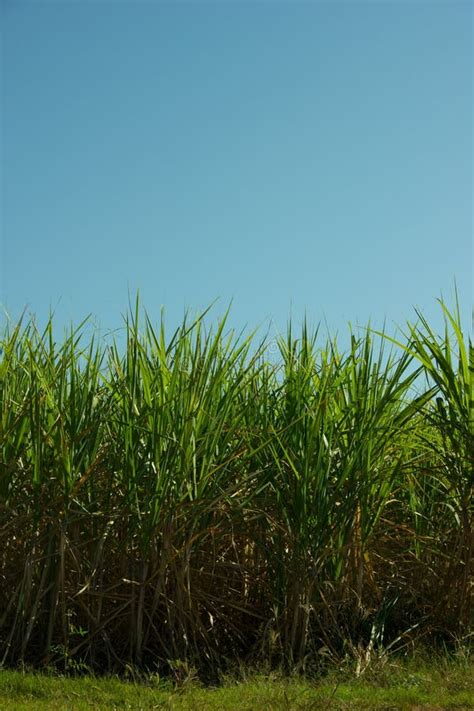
(190, 501)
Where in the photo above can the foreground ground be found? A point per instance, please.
(395, 685)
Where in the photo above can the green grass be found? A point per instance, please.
(402, 685)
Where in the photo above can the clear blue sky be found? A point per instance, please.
(285, 155)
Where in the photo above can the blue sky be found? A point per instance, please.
(290, 156)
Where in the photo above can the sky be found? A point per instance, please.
(290, 157)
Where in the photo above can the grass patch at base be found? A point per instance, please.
(403, 685)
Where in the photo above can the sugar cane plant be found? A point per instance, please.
(185, 499)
